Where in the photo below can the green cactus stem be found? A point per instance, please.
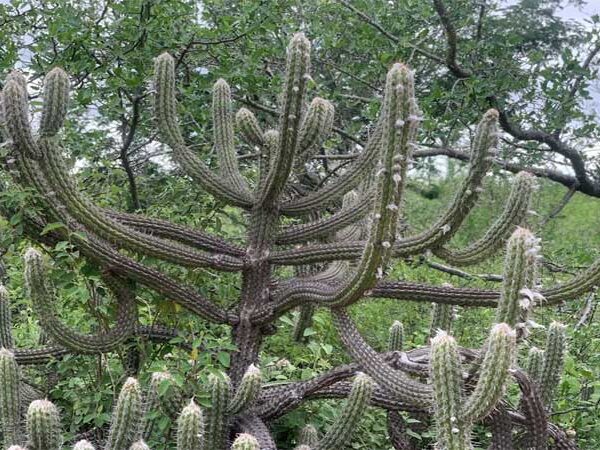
(216, 420)
(340, 433)
(190, 428)
(125, 427)
(245, 441)
(43, 426)
(396, 336)
(10, 398)
(554, 359)
(246, 392)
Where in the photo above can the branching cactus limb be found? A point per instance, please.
(554, 358)
(215, 435)
(442, 316)
(6, 337)
(246, 392)
(452, 430)
(10, 399)
(341, 431)
(190, 428)
(396, 336)
(43, 426)
(126, 423)
(516, 209)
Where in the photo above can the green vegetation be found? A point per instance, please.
(96, 354)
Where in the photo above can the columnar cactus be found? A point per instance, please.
(348, 248)
(10, 402)
(43, 426)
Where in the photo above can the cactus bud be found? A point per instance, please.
(308, 436)
(139, 445)
(249, 127)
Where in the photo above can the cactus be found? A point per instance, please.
(308, 436)
(216, 420)
(43, 426)
(83, 445)
(126, 418)
(10, 402)
(534, 364)
(245, 442)
(396, 336)
(348, 250)
(139, 445)
(442, 316)
(190, 428)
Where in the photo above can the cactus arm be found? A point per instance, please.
(493, 374)
(442, 316)
(246, 392)
(340, 433)
(125, 427)
(43, 300)
(515, 210)
(56, 101)
(534, 364)
(10, 398)
(347, 216)
(92, 217)
(316, 126)
(245, 441)
(452, 430)
(223, 122)
(521, 258)
(166, 115)
(554, 358)
(249, 128)
(190, 428)
(152, 401)
(296, 78)
(99, 251)
(534, 411)
(396, 382)
(267, 152)
(16, 115)
(6, 337)
(168, 230)
(43, 426)
(215, 435)
(396, 337)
